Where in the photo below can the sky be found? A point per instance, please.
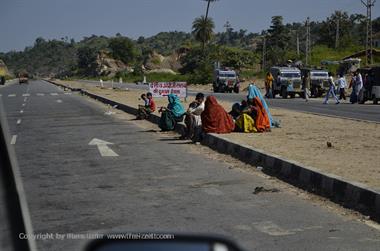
(22, 21)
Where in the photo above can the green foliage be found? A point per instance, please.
(277, 41)
(87, 60)
(123, 48)
(203, 29)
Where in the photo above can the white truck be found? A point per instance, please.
(287, 81)
(225, 81)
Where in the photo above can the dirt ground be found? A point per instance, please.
(354, 154)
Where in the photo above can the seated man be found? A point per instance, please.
(149, 106)
(193, 119)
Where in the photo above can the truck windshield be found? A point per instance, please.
(290, 75)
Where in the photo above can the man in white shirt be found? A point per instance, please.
(193, 119)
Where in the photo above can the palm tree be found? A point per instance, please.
(203, 29)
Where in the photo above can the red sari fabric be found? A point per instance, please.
(262, 121)
(215, 119)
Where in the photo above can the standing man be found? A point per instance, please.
(331, 90)
(342, 85)
(306, 86)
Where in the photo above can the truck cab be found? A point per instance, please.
(287, 81)
(225, 81)
(23, 78)
(319, 81)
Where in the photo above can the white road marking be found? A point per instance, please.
(68, 93)
(40, 94)
(1, 95)
(12, 95)
(13, 140)
(23, 104)
(26, 95)
(59, 101)
(22, 111)
(103, 148)
(25, 99)
(54, 94)
(19, 121)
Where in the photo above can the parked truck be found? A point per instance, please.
(287, 81)
(225, 80)
(319, 81)
(371, 84)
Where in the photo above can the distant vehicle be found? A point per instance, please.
(23, 78)
(225, 81)
(371, 85)
(319, 81)
(287, 81)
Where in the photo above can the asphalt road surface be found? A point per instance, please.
(146, 182)
(367, 111)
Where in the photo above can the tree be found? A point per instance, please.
(123, 49)
(277, 41)
(86, 60)
(203, 29)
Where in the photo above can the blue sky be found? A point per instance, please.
(22, 21)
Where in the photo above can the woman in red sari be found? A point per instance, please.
(215, 119)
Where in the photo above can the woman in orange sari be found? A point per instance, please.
(215, 119)
(262, 122)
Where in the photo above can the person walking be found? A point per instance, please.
(342, 84)
(331, 90)
(306, 86)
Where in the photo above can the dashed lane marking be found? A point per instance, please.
(40, 94)
(23, 104)
(22, 111)
(11, 95)
(59, 101)
(13, 140)
(26, 95)
(19, 121)
(25, 99)
(54, 94)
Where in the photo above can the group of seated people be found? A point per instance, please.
(208, 116)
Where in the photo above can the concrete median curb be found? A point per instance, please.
(349, 194)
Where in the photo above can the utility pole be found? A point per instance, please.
(308, 42)
(298, 45)
(264, 53)
(337, 32)
(369, 40)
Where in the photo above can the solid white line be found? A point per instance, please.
(26, 95)
(22, 111)
(13, 140)
(12, 95)
(19, 121)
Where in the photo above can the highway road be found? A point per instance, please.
(87, 172)
(367, 111)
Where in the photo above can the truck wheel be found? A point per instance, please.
(284, 93)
